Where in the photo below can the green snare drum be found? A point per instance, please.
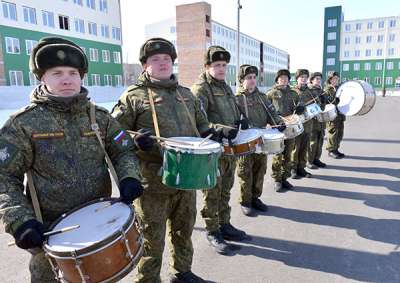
(191, 167)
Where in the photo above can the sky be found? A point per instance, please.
(291, 25)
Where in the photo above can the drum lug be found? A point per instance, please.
(79, 267)
(208, 180)
(54, 268)
(126, 242)
(177, 180)
(218, 173)
(178, 157)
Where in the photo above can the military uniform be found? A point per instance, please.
(335, 128)
(162, 208)
(55, 141)
(252, 167)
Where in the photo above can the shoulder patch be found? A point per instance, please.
(23, 110)
(8, 152)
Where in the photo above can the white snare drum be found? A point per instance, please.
(329, 113)
(245, 143)
(105, 248)
(356, 98)
(273, 141)
(311, 111)
(294, 126)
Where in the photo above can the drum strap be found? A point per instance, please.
(96, 129)
(266, 109)
(154, 113)
(188, 113)
(35, 200)
(246, 108)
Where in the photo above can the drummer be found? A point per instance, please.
(336, 127)
(252, 168)
(219, 103)
(158, 105)
(51, 139)
(285, 100)
(318, 129)
(302, 141)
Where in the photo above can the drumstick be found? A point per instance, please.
(225, 126)
(205, 139)
(240, 125)
(7, 208)
(163, 139)
(53, 232)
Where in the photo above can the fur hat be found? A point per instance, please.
(216, 53)
(154, 46)
(282, 72)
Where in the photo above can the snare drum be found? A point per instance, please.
(311, 111)
(356, 98)
(191, 167)
(272, 141)
(329, 113)
(245, 143)
(294, 126)
(105, 248)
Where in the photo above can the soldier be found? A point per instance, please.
(318, 128)
(302, 142)
(285, 100)
(336, 127)
(158, 103)
(219, 103)
(52, 141)
(252, 168)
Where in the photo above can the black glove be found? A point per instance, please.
(129, 190)
(243, 123)
(337, 100)
(29, 235)
(143, 140)
(299, 109)
(229, 134)
(216, 136)
(322, 98)
(281, 127)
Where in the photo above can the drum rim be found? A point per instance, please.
(98, 245)
(171, 145)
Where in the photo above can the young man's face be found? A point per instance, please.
(62, 81)
(316, 81)
(217, 70)
(302, 80)
(283, 80)
(250, 82)
(159, 66)
(334, 80)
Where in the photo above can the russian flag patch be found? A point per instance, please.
(120, 136)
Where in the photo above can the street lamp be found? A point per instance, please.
(238, 43)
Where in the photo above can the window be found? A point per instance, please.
(85, 81)
(357, 53)
(358, 26)
(107, 80)
(367, 66)
(332, 23)
(347, 27)
(64, 22)
(32, 79)
(369, 39)
(368, 52)
(78, 2)
(378, 66)
(12, 45)
(378, 80)
(369, 25)
(392, 23)
(331, 49)
(30, 44)
(118, 80)
(390, 51)
(92, 28)
(91, 4)
(172, 29)
(389, 80)
(105, 31)
(117, 57)
(103, 6)
(29, 15)
(381, 24)
(346, 54)
(9, 10)
(48, 19)
(331, 35)
(345, 67)
(105, 54)
(347, 40)
(83, 49)
(79, 26)
(208, 34)
(379, 52)
(389, 65)
(380, 38)
(207, 18)
(356, 66)
(95, 79)
(330, 61)
(358, 39)
(392, 36)
(116, 33)
(366, 79)
(93, 55)
(16, 78)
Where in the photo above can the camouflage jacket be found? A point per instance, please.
(284, 100)
(317, 91)
(330, 93)
(133, 111)
(217, 99)
(306, 97)
(55, 141)
(258, 116)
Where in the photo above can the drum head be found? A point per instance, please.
(95, 226)
(353, 95)
(245, 136)
(272, 134)
(207, 147)
(329, 107)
